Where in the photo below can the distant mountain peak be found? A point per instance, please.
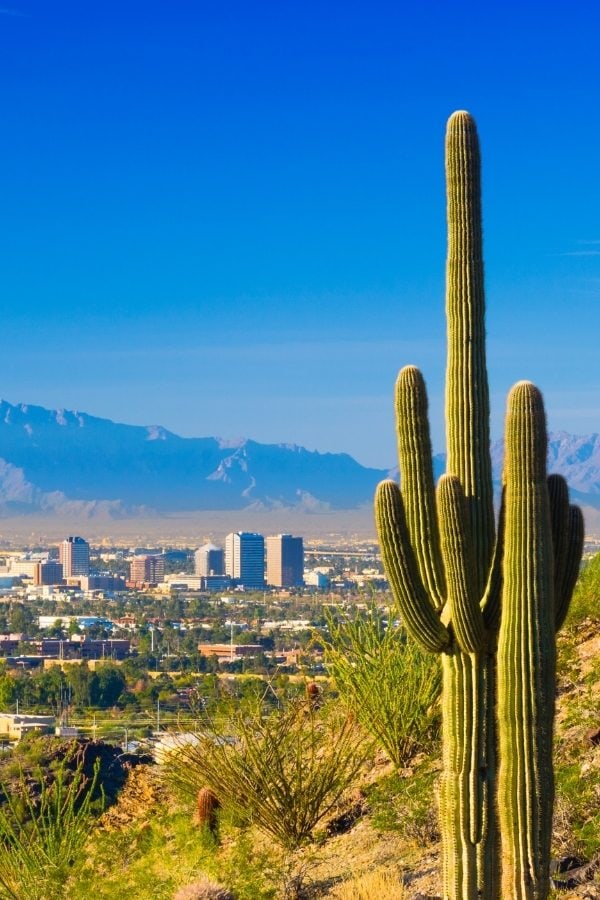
(53, 461)
(234, 443)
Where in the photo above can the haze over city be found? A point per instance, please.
(229, 220)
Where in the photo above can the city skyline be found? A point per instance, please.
(230, 221)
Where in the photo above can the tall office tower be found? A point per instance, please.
(148, 569)
(245, 558)
(209, 560)
(74, 555)
(285, 560)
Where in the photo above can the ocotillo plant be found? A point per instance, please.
(439, 556)
(543, 544)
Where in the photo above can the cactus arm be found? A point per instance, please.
(567, 540)
(558, 493)
(418, 613)
(526, 655)
(573, 552)
(467, 394)
(465, 613)
(491, 601)
(416, 473)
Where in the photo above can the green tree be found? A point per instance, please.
(20, 619)
(108, 685)
(8, 691)
(79, 678)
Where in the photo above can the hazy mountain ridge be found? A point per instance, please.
(62, 462)
(53, 459)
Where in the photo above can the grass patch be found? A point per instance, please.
(407, 805)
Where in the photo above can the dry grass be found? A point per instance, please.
(371, 885)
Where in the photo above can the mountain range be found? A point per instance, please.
(60, 462)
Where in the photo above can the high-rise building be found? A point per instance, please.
(74, 556)
(245, 558)
(285, 560)
(209, 560)
(49, 572)
(148, 569)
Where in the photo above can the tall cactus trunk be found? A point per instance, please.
(468, 445)
(526, 655)
(467, 394)
(466, 807)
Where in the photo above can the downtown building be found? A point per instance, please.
(147, 569)
(49, 572)
(245, 559)
(285, 561)
(209, 560)
(74, 556)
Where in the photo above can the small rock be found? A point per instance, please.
(592, 736)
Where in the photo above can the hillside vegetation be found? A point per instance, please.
(309, 804)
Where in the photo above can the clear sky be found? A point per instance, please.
(228, 218)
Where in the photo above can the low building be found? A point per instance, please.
(181, 581)
(102, 583)
(215, 582)
(86, 649)
(231, 650)
(9, 643)
(13, 726)
(168, 744)
(316, 579)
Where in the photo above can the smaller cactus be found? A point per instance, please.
(203, 890)
(207, 806)
(313, 693)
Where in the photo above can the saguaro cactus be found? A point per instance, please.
(438, 552)
(450, 575)
(543, 544)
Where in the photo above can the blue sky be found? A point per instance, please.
(229, 218)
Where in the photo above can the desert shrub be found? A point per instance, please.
(282, 770)
(389, 684)
(586, 596)
(43, 829)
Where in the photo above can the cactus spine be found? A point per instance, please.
(541, 559)
(438, 551)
